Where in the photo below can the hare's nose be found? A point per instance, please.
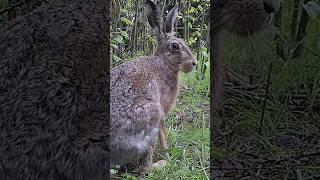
(194, 63)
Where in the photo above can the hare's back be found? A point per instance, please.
(133, 84)
(132, 107)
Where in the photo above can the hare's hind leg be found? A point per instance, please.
(162, 135)
(163, 144)
(147, 161)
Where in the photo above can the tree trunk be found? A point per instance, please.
(301, 31)
(277, 37)
(134, 32)
(295, 18)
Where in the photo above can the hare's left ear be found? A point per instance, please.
(154, 17)
(171, 18)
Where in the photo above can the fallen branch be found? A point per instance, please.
(265, 99)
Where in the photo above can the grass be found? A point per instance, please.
(289, 144)
(187, 129)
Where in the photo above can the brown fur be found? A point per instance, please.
(162, 135)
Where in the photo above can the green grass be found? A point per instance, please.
(291, 123)
(187, 128)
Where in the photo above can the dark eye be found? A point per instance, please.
(175, 46)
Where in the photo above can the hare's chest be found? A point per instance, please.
(169, 97)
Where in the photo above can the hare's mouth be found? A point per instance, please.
(188, 67)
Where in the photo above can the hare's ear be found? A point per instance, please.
(171, 18)
(154, 18)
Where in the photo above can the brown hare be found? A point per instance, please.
(144, 90)
(241, 17)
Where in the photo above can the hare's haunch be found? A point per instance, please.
(241, 17)
(143, 91)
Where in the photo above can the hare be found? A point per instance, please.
(53, 93)
(241, 17)
(144, 90)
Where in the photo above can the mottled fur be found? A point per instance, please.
(143, 91)
(53, 93)
(241, 17)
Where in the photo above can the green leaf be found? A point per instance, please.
(113, 46)
(192, 10)
(113, 171)
(126, 21)
(203, 49)
(124, 34)
(124, 10)
(115, 58)
(119, 39)
(204, 53)
(207, 64)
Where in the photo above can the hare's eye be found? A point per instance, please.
(175, 46)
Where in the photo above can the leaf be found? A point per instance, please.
(126, 21)
(206, 64)
(124, 10)
(191, 41)
(180, 17)
(204, 53)
(124, 34)
(203, 49)
(312, 8)
(113, 171)
(115, 58)
(119, 39)
(192, 10)
(113, 45)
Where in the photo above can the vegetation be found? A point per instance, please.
(269, 128)
(270, 125)
(188, 124)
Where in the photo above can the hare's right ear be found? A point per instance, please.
(171, 18)
(154, 18)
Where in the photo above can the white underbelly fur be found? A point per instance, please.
(131, 147)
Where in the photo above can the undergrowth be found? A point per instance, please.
(276, 140)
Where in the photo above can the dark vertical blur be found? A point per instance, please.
(54, 89)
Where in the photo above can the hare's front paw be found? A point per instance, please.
(159, 164)
(145, 170)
